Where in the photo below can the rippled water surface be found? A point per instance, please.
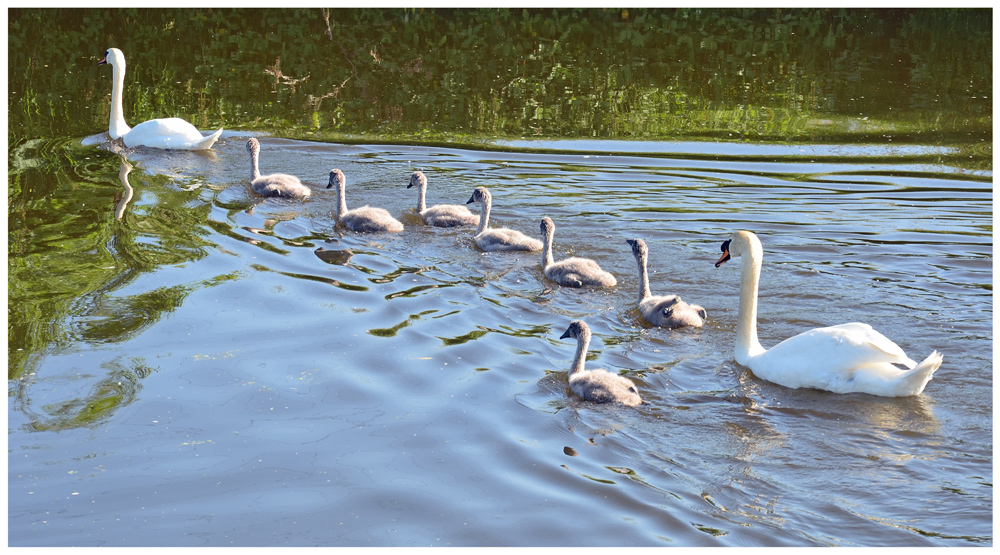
(255, 375)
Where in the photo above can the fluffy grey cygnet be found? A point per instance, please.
(364, 219)
(596, 385)
(574, 271)
(500, 239)
(668, 311)
(440, 215)
(275, 184)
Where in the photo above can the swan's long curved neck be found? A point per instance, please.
(422, 203)
(484, 217)
(117, 126)
(581, 353)
(747, 345)
(547, 249)
(254, 170)
(341, 201)
(643, 278)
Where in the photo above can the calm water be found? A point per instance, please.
(414, 393)
(189, 365)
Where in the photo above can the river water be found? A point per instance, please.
(227, 384)
(190, 365)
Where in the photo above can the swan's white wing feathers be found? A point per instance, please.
(170, 133)
(857, 333)
(831, 358)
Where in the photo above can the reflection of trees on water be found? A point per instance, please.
(596, 73)
(119, 385)
(71, 258)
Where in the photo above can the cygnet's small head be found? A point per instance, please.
(481, 194)
(639, 250)
(114, 58)
(417, 179)
(336, 178)
(668, 309)
(576, 330)
(547, 226)
(739, 243)
(253, 146)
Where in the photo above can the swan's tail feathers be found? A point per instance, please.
(916, 379)
(208, 141)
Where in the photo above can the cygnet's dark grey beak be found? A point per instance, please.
(564, 335)
(471, 199)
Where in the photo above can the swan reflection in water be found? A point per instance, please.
(123, 198)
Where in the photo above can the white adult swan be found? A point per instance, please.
(596, 385)
(574, 271)
(440, 215)
(501, 239)
(667, 311)
(362, 219)
(849, 358)
(275, 184)
(171, 133)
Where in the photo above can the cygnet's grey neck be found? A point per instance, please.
(547, 236)
(338, 183)
(643, 277)
(422, 202)
(418, 180)
(254, 168)
(582, 342)
(485, 202)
